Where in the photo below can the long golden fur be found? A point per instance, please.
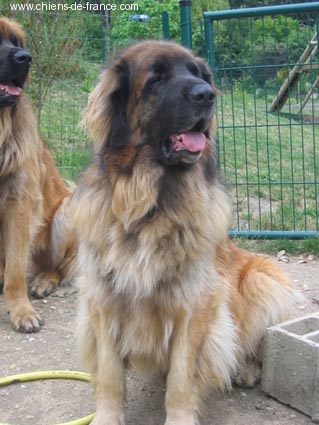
(36, 240)
(163, 286)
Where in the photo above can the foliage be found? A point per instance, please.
(259, 51)
(93, 37)
(124, 29)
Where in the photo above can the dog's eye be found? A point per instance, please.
(14, 40)
(157, 78)
(158, 71)
(193, 69)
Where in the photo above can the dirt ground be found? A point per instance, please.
(58, 401)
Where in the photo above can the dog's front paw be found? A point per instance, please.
(182, 418)
(44, 284)
(107, 418)
(26, 319)
(249, 374)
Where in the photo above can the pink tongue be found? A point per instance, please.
(193, 142)
(13, 90)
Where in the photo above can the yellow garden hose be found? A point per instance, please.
(52, 374)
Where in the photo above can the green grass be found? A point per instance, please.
(270, 163)
(60, 117)
(292, 247)
(60, 126)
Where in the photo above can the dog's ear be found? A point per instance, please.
(106, 112)
(9, 28)
(119, 126)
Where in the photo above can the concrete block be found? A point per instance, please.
(291, 364)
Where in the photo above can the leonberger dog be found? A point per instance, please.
(162, 284)
(36, 239)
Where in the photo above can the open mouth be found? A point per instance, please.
(193, 142)
(186, 146)
(9, 94)
(9, 90)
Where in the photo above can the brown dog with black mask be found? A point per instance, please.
(36, 240)
(163, 285)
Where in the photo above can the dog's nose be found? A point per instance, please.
(22, 57)
(202, 94)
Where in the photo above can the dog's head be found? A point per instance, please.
(14, 62)
(157, 94)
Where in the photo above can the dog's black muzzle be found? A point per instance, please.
(14, 69)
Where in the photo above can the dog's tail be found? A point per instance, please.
(265, 296)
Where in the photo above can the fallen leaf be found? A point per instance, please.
(281, 253)
(303, 261)
(281, 256)
(284, 259)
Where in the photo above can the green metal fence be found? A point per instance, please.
(266, 62)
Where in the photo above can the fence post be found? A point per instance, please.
(209, 41)
(186, 22)
(165, 25)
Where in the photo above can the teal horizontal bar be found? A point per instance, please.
(272, 183)
(265, 125)
(262, 67)
(261, 11)
(274, 234)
